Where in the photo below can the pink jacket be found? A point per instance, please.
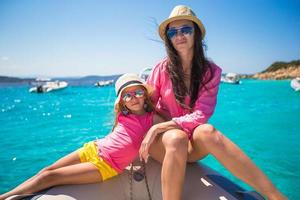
(121, 146)
(164, 98)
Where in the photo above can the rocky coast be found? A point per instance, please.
(279, 71)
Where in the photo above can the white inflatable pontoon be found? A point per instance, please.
(201, 182)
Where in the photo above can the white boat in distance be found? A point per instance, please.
(231, 78)
(47, 86)
(145, 73)
(104, 83)
(295, 84)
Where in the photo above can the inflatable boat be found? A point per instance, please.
(140, 182)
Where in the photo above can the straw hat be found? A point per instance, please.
(128, 80)
(180, 12)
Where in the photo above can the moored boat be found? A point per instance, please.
(145, 73)
(104, 83)
(295, 84)
(231, 78)
(47, 86)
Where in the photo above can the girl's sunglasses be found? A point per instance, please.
(186, 30)
(128, 96)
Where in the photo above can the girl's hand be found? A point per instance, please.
(147, 141)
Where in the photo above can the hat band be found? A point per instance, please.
(126, 84)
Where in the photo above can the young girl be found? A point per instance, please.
(102, 159)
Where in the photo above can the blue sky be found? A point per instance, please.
(84, 37)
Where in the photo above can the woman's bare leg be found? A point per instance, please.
(171, 149)
(206, 139)
(72, 174)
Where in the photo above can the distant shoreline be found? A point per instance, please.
(276, 71)
(86, 80)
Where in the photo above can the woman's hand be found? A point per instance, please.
(147, 141)
(151, 135)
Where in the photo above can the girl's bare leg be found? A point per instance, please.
(73, 174)
(70, 159)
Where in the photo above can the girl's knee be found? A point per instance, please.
(45, 169)
(47, 177)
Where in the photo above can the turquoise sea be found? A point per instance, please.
(262, 117)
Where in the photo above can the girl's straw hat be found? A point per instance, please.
(128, 80)
(180, 12)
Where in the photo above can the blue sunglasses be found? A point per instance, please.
(128, 96)
(186, 30)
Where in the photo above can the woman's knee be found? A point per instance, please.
(175, 139)
(207, 134)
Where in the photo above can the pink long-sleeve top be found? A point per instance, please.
(121, 146)
(165, 101)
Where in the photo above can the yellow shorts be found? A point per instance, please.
(88, 153)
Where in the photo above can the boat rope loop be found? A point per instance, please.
(138, 175)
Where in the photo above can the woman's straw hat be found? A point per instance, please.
(128, 80)
(180, 12)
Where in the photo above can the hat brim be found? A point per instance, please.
(146, 86)
(164, 24)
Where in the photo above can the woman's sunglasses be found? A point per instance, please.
(128, 96)
(186, 30)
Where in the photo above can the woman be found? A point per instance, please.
(102, 159)
(186, 86)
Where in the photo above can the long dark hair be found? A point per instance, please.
(200, 66)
